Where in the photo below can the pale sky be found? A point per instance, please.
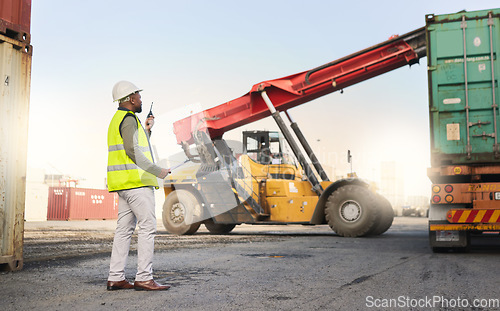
(190, 55)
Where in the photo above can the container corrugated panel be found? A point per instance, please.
(463, 71)
(15, 72)
(81, 204)
(93, 204)
(58, 203)
(15, 19)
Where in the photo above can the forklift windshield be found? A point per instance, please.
(266, 147)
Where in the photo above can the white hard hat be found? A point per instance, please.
(123, 89)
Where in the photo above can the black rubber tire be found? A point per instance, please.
(218, 228)
(174, 212)
(386, 215)
(351, 211)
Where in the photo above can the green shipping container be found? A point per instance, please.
(463, 71)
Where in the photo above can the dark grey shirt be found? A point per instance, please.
(128, 130)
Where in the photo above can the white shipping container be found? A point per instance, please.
(15, 75)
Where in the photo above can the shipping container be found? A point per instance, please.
(15, 19)
(66, 203)
(15, 71)
(463, 60)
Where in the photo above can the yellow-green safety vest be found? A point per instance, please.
(123, 173)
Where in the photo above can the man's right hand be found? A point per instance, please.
(164, 173)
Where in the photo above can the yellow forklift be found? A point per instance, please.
(222, 187)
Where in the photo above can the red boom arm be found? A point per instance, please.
(291, 91)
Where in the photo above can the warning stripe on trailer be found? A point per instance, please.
(462, 216)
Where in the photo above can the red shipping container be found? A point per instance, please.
(67, 203)
(15, 19)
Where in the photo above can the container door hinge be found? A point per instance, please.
(496, 151)
(468, 149)
(490, 19)
(463, 23)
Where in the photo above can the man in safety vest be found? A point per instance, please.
(133, 174)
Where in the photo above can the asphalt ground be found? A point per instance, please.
(256, 268)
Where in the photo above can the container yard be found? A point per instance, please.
(367, 153)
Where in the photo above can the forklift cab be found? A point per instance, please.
(265, 147)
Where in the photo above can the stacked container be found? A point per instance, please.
(15, 17)
(15, 75)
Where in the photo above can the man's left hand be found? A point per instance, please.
(149, 123)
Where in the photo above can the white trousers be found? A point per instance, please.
(135, 206)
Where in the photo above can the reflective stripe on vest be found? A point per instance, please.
(121, 147)
(123, 173)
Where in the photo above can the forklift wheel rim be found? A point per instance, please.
(177, 213)
(350, 211)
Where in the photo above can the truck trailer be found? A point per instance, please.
(463, 69)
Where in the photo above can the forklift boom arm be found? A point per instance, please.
(296, 89)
